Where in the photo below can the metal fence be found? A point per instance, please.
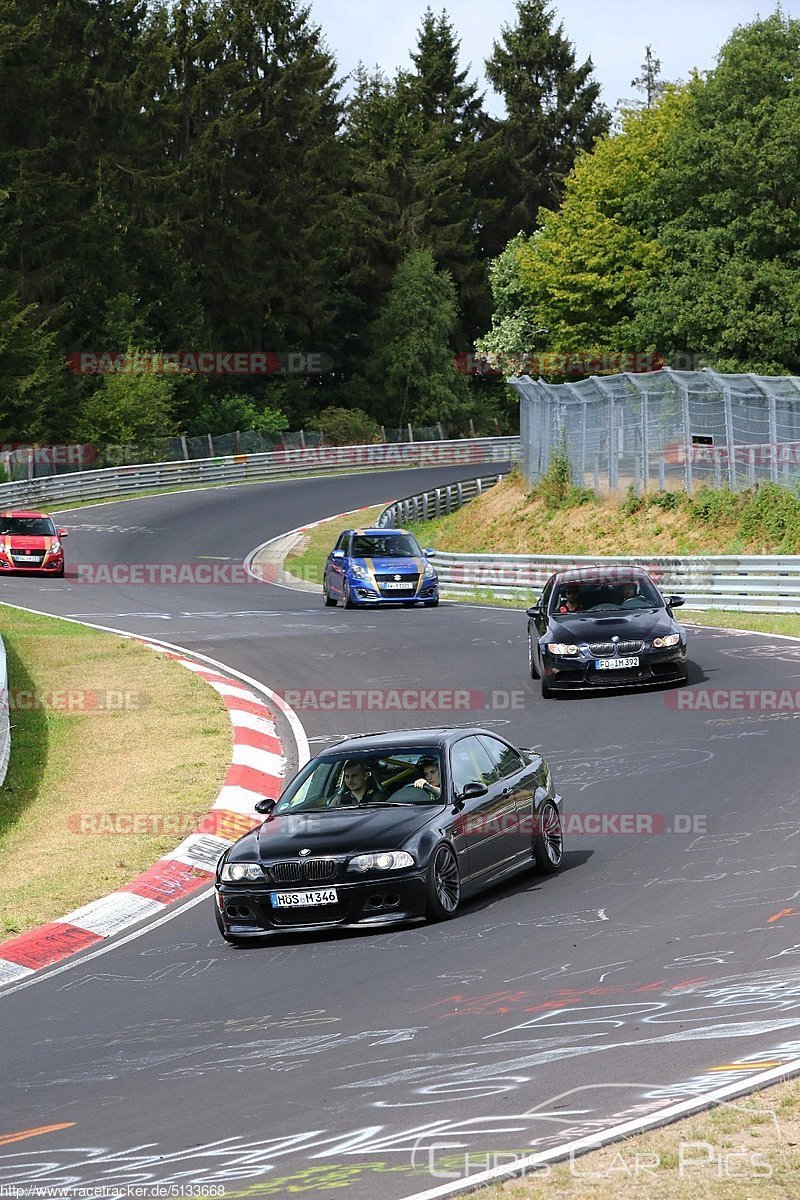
(121, 481)
(5, 721)
(437, 502)
(767, 583)
(673, 429)
(40, 461)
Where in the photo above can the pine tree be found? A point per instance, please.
(553, 112)
(650, 81)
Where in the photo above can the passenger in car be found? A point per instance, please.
(571, 600)
(431, 776)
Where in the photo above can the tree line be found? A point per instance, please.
(197, 175)
(679, 233)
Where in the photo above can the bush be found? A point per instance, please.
(346, 427)
(632, 503)
(716, 505)
(556, 488)
(772, 514)
(668, 500)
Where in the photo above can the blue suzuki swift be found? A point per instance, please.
(379, 566)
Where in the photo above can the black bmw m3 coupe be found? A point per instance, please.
(389, 827)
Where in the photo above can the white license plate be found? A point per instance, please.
(616, 664)
(303, 899)
(398, 587)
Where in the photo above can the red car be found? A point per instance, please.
(29, 541)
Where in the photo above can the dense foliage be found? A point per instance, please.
(680, 232)
(193, 175)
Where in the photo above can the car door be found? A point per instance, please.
(519, 780)
(483, 817)
(335, 566)
(539, 624)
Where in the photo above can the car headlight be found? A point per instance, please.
(55, 546)
(361, 573)
(429, 572)
(238, 872)
(671, 639)
(388, 860)
(562, 648)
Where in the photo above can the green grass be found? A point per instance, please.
(307, 560)
(100, 724)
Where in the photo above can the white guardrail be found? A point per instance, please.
(242, 468)
(5, 721)
(767, 583)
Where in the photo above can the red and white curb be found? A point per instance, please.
(256, 770)
(260, 563)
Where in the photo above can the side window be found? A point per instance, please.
(505, 760)
(546, 594)
(471, 764)
(342, 542)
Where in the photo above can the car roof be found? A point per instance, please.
(375, 532)
(600, 574)
(19, 512)
(419, 738)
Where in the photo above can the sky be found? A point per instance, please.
(683, 33)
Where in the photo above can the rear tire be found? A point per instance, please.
(548, 845)
(347, 599)
(443, 885)
(330, 601)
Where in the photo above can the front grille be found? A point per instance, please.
(287, 872)
(320, 869)
(313, 870)
(404, 577)
(609, 649)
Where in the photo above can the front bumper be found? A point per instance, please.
(246, 909)
(46, 567)
(362, 593)
(655, 666)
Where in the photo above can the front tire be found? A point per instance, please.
(443, 885)
(347, 599)
(532, 659)
(548, 845)
(230, 938)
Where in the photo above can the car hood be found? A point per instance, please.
(639, 623)
(26, 541)
(334, 831)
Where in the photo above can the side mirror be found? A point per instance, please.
(337, 554)
(534, 611)
(265, 807)
(62, 533)
(675, 601)
(429, 553)
(473, 790)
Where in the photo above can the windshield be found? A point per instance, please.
(406, 775)
(37, 526)
(385, 545)
(623, 594)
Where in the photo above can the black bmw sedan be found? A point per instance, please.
(389, 827)
(600, 627)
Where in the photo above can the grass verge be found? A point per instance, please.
(742, 1150)
(307, 559)
(100, 725)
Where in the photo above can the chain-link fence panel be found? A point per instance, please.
(670, 429)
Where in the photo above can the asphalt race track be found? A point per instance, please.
(368, 1064)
